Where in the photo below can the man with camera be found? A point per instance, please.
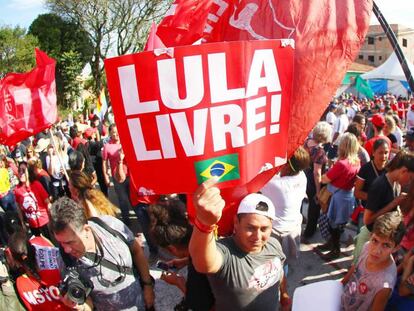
(103, 255)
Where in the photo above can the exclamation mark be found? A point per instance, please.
(275, 113)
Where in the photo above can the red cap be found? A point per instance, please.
(378, 120)
(89, 132)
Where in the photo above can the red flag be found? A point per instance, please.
(28, 101)
(153, 42)
(328, 36)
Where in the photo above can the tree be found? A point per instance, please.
(16, 50)
(119, 26)
(69, 44)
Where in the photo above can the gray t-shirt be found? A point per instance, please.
(248, 281)
(363, 285)
(125, 295)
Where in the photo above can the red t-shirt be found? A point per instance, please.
(32, 203)
(78, 140)
(111, 152)
(140, 195)
(342, 174)
(369, 145)
(38, 296)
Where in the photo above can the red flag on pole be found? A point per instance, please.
(153, 42)
(28, 101)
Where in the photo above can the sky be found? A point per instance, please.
(23, 12)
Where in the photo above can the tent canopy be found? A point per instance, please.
(390, 70)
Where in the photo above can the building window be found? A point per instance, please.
(371, 58)
(405, 43)
(361, 56)
(371, 40)
(379, 57)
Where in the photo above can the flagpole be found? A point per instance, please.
(394, 43)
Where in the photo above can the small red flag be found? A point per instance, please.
(28, 101)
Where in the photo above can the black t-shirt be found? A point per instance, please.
(392, 138)
(368, 175)
(199, 296)
(379, 195)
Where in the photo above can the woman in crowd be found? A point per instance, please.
(321, 135)
(56, 169)
(371, 170)
(38, 285)
(36, 172)
(79, 160)
(287, 191)
(340, 179)
(33, 201)
(171, 230)
(361, 122)
(363, 155)
(385, 194)
(389, 129)
(7, 199)
(94, 201)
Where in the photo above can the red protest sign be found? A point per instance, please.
(194, 112)
(28, 101)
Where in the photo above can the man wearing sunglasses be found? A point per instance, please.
(245, 270)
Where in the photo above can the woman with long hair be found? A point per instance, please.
(340, 179)
(93, 200)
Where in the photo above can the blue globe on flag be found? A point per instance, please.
(217, 169)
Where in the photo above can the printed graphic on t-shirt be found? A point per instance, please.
(29, 205)
(42, 295)
(266, 275)
(47, 257)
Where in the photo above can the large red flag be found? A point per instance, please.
(328, 36)
(28, 101)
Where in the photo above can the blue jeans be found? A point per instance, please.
(143, 218)
(122, 192)
(8, 202)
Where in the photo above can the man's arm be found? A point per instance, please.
(209, 205)
(346, 278)
(143, 269)
(370, 216)
(381, 299)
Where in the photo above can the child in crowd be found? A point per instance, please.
(369, 283)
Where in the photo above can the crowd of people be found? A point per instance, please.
(66, 246)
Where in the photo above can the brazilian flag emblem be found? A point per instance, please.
(225, 168)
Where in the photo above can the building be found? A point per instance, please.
(377, 48)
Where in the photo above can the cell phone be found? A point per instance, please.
(164, 266)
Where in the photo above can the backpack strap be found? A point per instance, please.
(112, 231)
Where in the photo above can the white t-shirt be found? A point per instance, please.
(286, 194)
(399, 135)
(330, 118)
(410, 119)
(340, 126)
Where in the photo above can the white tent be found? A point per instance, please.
(392, 72)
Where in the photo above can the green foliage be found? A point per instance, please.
(16, 50)
(70, 66)
(57, 36)
(69, 44)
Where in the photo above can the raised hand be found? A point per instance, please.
(208, 203)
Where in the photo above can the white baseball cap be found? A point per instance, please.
(256, 203)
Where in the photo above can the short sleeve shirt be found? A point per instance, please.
(342, 174)
(369, 145)
(363, 285)
(31, 201)
(108, 293)
(110, 152)
(368, 175)
(379, 195)
(248, 281)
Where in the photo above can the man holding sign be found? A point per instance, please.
(245, 270)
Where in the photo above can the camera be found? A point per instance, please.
(165, 267)
(75, 287)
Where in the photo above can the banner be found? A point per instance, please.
(328, 35)
(28, 101)
(190, 113)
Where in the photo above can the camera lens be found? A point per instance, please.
(76, 294)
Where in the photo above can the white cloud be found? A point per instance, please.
(25, 4)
